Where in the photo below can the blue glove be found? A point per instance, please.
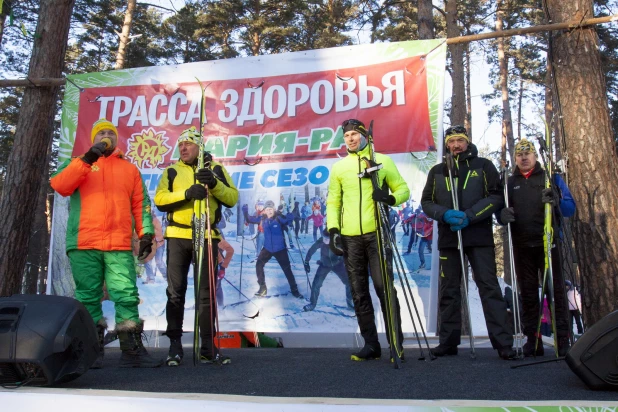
(454, 217)
(463, 224)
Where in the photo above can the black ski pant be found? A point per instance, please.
(577, 316)
(482, 260)
(304, 226)
(284, 261)
(296, 226)
(530, 266)
(320, 275)
(363, 259)
(179, 256)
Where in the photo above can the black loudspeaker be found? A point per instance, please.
(45, 340)
(594, 356)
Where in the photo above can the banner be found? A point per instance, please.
(275, 123)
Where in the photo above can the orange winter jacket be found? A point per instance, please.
(108, 201)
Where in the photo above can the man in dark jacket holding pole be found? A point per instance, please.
(526, 214)
(480, 194)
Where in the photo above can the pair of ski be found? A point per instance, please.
(388, 253)
(202, 245)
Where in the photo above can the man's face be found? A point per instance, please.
(525, 161)
(352, 140)
(457, 145)
(269, 211)
(188, 151)
(106, 133)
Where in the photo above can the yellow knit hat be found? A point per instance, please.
(102, 124)
(525, 145)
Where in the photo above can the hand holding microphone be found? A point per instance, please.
(97, 150)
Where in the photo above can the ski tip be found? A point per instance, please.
(254, 316)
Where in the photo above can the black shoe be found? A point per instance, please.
(134, 354)
(529, 347)
(444, 350)
(406, 253)
(563, 346)
(262, 291)
(175, 354)
(219, 359)
(309, 307)
(368, 352)
(297, 294)
(507, 353)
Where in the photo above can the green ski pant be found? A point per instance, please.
(117, 269)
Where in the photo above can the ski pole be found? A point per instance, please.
(452, 170)
(389, 287)
(303, 261)
(515, 286)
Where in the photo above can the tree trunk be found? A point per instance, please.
(520, 99)
(27, 161)
(593, 164)
(458, 99)
(425, 19)
(124, 35)
(507, 121)
(38, 250)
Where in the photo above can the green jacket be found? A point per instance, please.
(349, 206)
(170, 198)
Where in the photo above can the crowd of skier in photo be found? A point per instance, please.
(462, 194)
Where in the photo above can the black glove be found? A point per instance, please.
(197, 192)
(335, 244)
(145, 246)
(206, 177)
(507, 215)
(94, 153)
(307, 267)
(382, 195)
(547, 196)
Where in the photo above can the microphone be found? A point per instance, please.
(107, 141)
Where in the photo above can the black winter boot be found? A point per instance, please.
(444, 350)
(101, 327)
(134, 354)
(175, 354)
(529, 347)
(563, 345)
(368, 352)
(262, 291)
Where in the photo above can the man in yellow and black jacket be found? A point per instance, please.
(180, 185)
(353, 227)
(480, 194)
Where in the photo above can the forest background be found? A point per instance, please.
(501, 90)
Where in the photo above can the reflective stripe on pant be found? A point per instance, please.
(117, 269)
(482, 260)
(362, 259)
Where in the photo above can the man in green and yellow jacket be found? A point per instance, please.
(180, 185)
(353, 227)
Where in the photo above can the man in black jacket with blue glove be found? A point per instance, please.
(480, 194)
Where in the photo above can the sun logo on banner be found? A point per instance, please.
(148, 147)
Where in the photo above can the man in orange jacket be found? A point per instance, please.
(108, 201)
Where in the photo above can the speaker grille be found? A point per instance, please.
(8, 373)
